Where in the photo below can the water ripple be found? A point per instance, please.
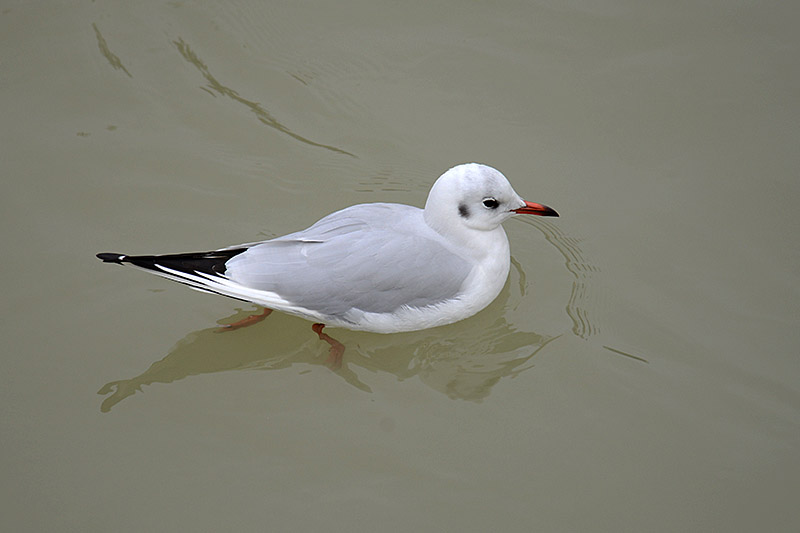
(583, 325)
(112, 58)
(214, 87)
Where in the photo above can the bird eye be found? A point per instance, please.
(490, 203)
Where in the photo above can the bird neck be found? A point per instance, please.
(478, 243)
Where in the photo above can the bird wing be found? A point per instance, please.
(373, 258)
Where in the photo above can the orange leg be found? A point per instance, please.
(247, 321)
(337, 348)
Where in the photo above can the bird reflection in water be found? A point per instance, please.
(463, 361)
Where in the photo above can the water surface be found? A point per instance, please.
(639, 371)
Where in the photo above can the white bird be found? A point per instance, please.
(377, 267)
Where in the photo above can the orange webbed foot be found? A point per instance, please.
(247, 321)
(337, 348)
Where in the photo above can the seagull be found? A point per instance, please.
(378, 267)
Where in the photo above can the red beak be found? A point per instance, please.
(536, 209)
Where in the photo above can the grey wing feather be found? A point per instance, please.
(359, 258)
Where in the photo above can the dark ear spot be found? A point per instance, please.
(463, 210)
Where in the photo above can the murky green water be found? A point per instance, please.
(639, 372)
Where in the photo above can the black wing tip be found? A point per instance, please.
(111, 258)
